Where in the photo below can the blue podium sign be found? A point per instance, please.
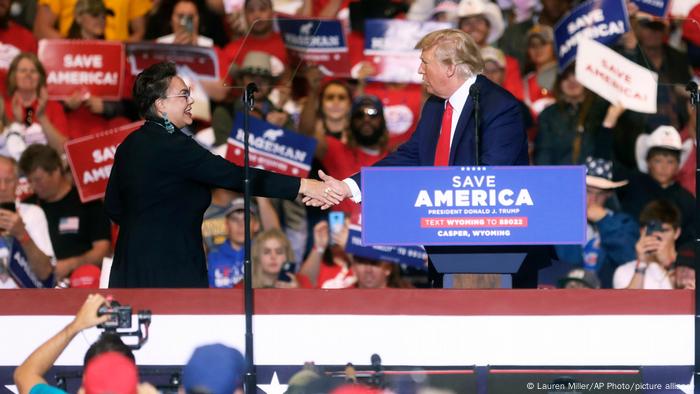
(414, 256)
(543, 205)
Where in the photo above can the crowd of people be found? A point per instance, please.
(641, 169)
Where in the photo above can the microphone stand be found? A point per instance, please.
(692, 88)
(475, 91)
(250, 376)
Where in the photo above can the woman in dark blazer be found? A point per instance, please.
(160, 187)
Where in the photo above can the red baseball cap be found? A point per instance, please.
(112, 373)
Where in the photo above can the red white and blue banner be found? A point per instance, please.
(390, 47)
(600, 20)
(317, 41)
(654, 7)
(92, 67)
(272, 148)
(473, 205)
(91, 159)
(496, 341)
(202, 61)
(415, 256)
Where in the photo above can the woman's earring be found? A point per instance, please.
(168, 126)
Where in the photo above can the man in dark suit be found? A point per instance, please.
(446, 131)
(450, 64)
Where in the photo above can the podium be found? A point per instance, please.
(476, 220)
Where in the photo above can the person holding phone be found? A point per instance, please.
(270, 253)
(184, 22)
(660, 222)
(23, 227)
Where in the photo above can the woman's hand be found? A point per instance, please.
(318, 194)
(292, 284)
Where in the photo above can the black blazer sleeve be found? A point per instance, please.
(185, 157)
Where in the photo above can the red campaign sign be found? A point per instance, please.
(202, 61)
(91, 158)
(95, 66)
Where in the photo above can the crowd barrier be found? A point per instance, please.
(512, 333)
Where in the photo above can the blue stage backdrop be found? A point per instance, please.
(473, 205)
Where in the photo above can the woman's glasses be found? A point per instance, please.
(184, 93)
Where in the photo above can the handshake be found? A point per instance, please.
(325, 193)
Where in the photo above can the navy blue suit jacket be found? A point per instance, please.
(503, 137)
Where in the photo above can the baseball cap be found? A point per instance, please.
(238, 204)
(93, 7)
(367, 101)
(586, 277)
(86, 276)
(215, 368)
(495, 55)
(544, 32)
(112, 373)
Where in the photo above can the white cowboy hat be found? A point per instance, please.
(663, 137)
(489, 10)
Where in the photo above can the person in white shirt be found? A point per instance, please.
(24, 225)
(660, 222)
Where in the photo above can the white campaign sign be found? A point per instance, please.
(615, 78)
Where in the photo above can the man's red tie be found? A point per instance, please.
(442, 152)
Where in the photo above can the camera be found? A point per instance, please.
(120, 321)
(120, 316)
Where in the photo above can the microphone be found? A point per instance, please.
(474, 94)
(248, 97)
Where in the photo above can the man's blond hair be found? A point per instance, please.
(454, 47)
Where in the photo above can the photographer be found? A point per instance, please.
(660, 222)
(104, 355)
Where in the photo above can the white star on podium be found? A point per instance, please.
(12, 388)
(274, 387)
(687, 388)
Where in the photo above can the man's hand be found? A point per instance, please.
(317, 194)
(646, 248)
(64, 267)
(12, 223)
(339, 187)
(87, 315)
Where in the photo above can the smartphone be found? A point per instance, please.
(10, 206)
(653, 227)
(287, 268)
(187, 21)
(336, 221)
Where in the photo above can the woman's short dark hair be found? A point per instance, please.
(152, 84)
